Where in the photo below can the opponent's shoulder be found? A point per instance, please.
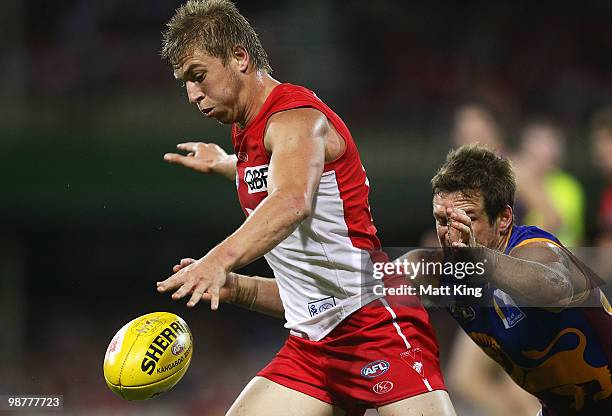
(521, 235)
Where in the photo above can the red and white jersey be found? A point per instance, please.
(320, 267)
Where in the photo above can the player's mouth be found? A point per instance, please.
(207, 111)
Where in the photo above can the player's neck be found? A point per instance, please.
(256, 92)
(500, 244)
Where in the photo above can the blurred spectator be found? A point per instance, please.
(601, 137)
(474, 123)
(547, 196)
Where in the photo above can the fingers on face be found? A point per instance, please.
(464, 229)
(460, 215)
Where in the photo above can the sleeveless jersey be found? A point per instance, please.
(562, 356)
(319, 267)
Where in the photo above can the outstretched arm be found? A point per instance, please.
(537, 274)
(204, 158)
(296, 139)
(259, 294)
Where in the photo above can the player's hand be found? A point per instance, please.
(203, 279)
(201, 157)
(460, 232)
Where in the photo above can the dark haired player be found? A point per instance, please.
(542, 317)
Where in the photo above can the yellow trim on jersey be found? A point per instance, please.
(536, 240)
(498, 310)
(604, 302)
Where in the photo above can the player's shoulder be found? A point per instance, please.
(287, 91)
(524, 234)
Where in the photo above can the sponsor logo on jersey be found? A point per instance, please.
(318, 306)
(375, 369)
(506, 309)
(256, 178)
(382, 387)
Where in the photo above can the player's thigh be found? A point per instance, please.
(264, 397)
(433, 403)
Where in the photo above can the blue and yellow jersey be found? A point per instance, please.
(560, 355)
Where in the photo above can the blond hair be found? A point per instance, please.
(214, 27)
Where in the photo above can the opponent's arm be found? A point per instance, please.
(536, 274)
(423, 278)
(296, 139)
(205, 158)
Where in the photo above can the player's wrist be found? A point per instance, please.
(244, 290)
(223, 257)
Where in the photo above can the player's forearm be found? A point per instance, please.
(528, 282)
(258, 294)
(227, 167)
(274, 219)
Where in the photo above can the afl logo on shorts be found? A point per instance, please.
(256, 178)
(375, 369)
(382, 387)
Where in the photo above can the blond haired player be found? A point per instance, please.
(305, 194)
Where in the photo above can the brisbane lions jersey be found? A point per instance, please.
(560, 355)
(320, 267)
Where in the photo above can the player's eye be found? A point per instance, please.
(199, 78)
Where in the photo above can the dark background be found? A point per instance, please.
(91, 216)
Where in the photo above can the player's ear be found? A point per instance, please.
(241, 58)
(505, 219)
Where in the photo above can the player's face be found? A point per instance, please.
(214, 87)
(473, 205)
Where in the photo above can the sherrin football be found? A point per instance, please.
(148, 356)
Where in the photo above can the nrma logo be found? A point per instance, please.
(375, 369)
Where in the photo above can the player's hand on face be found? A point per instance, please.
(202, 279)
(201, 157)
(460, 232)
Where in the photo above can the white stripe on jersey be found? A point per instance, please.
(318, 265)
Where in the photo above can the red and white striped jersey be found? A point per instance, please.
(320, 267)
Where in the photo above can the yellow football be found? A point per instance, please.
(148, 356)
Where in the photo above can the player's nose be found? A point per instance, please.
(194, 93)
